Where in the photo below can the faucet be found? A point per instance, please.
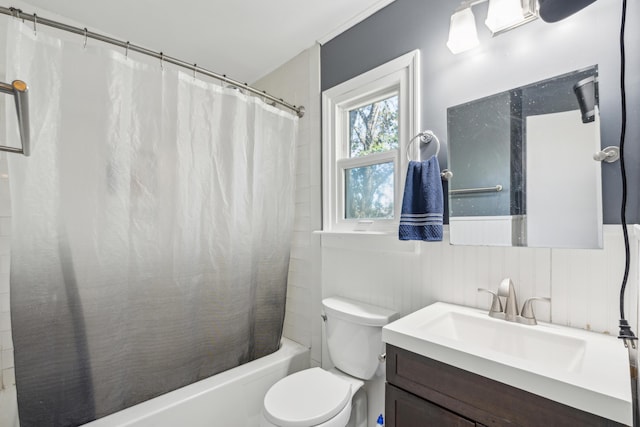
(496, 305)
(510, 311)
(527, 317)
(506, 289)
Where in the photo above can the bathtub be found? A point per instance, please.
(229, 399)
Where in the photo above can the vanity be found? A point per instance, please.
(449, 365)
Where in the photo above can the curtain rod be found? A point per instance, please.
(299, 110)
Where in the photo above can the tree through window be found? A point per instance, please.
(369, 190)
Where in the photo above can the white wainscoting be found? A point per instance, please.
(583, 284)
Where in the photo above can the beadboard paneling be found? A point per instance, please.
(583, 284)
(586, 284)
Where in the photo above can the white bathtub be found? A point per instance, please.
(229, 399)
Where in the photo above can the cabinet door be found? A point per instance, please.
(406, 410)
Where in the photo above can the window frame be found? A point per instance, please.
(399, 76)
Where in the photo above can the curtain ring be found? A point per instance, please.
(85, 37)
(35, 22)
(266, 100)
(195, 67)
(126, 50)
(162, 61)
(15, 12)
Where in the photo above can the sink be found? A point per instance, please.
(530, 344)
(582, 369)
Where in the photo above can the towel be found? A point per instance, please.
(422, 203)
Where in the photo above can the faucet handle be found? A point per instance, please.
(526, 316)
(496, 305)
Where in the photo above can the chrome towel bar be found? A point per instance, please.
(20, 91)
(495, 189)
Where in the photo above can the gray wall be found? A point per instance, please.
(527, 54)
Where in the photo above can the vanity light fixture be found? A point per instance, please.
(462, 30)
(503, 15)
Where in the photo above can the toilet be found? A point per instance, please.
(335, 397)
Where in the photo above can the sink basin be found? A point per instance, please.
(582, 369)
(530, 344)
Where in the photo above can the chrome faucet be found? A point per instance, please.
(510, 310)
(496, 305)
(526, 316)
(507, 290)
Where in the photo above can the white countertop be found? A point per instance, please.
(581, 369)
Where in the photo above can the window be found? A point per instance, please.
(369, 190)
(368, 121)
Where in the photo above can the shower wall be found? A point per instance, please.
(8, 407)
(298, 81)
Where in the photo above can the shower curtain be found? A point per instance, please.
(150, 228)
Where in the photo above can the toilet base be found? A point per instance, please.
(359, 410)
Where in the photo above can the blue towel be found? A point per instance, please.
(422, 203)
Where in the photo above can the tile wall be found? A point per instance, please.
(298, 81)
(8, 403)
(8, 406)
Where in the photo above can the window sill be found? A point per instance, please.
(353, 232)
(372, 241)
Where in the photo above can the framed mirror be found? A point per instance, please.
(523, 166)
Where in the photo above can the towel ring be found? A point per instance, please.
(425, 136)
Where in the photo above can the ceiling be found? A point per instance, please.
(244, 39)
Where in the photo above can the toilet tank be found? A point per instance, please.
(354, 335)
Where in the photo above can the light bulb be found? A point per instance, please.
(462, 31)
(504, 14)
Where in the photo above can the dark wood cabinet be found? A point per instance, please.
(410, 410)
(424, 392)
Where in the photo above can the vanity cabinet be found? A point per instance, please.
(424, 392)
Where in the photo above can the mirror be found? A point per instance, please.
(523, 167)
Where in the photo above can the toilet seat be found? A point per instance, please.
(306, 398)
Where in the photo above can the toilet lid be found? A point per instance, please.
(306, 398)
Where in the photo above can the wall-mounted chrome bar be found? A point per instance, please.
(609, 154)
(20, 92)
(446, 174)
(299, 110)
(495, 189)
